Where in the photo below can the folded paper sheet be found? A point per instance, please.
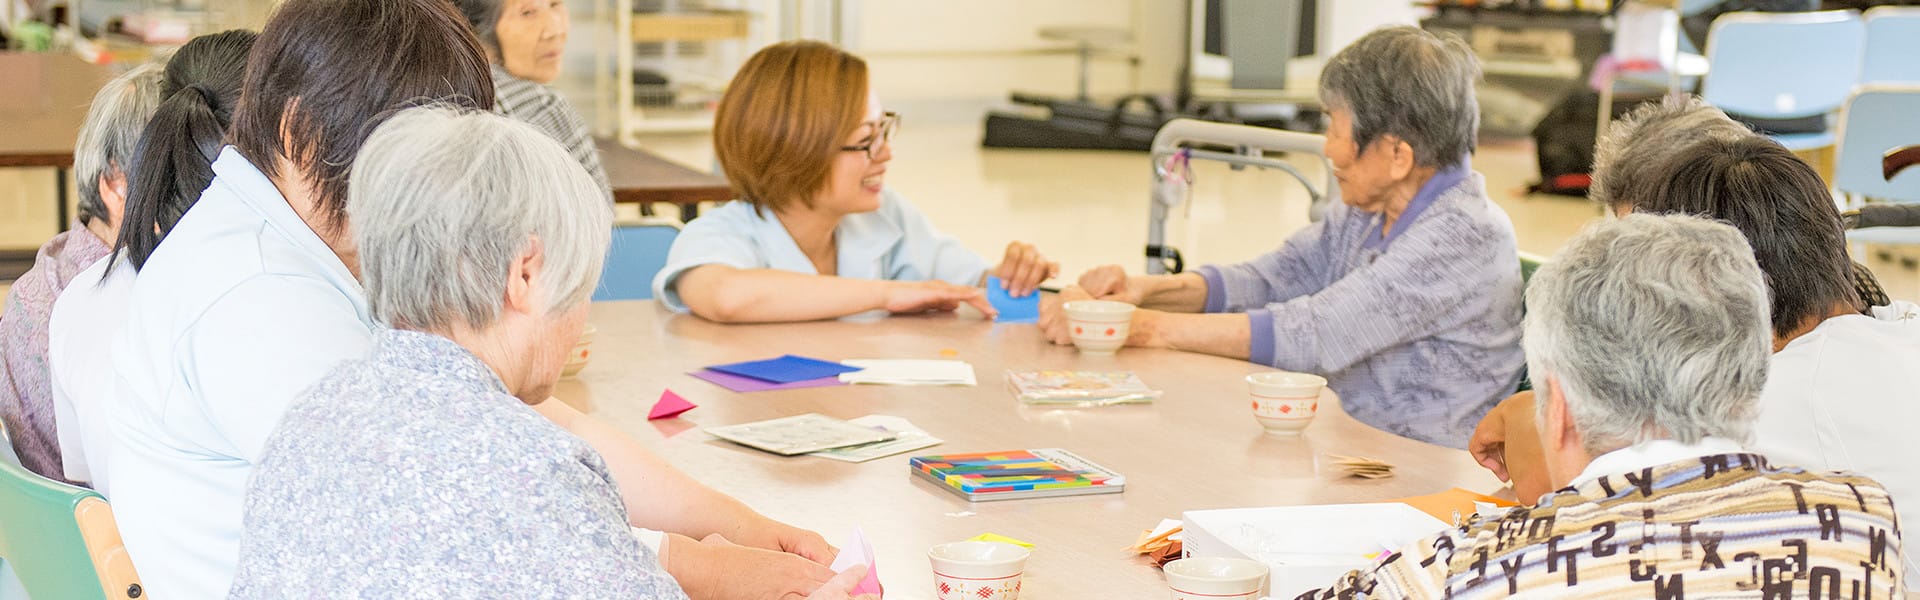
(749, 384)
(670, 405)
(909, 438)
(1011, 309)
(908, 372)
(859, 551)
(786, 369)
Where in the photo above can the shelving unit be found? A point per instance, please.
(694, 45)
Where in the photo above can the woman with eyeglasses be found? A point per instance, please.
(816, 234)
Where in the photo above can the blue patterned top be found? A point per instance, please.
(413, 474)
(1417, 330)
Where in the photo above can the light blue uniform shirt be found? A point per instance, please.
(241, 311)
(895, 242)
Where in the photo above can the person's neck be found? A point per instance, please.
(1401, 195)
(812, 230)
(1840, 309)
(500, 351)
(292, 184)
(103, 231)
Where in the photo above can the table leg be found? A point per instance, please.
(689, 210)
(60, 195)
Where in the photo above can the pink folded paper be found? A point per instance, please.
(670, 405)
(748, 384)
(856, 551)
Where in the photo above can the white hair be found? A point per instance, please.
(444, 199)
(119, 113)
(1655, 327)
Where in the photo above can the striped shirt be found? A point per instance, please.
(539, 106)
(1417, 330)
(1715, 526)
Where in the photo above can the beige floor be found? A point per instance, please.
(1083, 208)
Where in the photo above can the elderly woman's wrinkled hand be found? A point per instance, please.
(723, 568)
(1024, 268)
(1109, 282)
(841, 585)
(1053, 318)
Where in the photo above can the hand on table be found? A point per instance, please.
(1507, 444)
(1053, 318)
(906, 297)
(843, 584)
(774, 535)
(1110, 283)
(717, 569)
(1023, 269)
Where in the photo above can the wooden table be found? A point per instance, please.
(43, 102)
(645, 178)
(1198, 447)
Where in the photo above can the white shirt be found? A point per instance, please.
(86, 318)
(1652, 453)
(240, 311)
(1846, 397)
(896, 243)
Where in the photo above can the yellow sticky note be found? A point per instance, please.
(994, 537)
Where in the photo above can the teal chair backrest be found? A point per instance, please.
(1529, 263)
(638, 252)
(1878, 118)
(1893, 45)
(1783, 65)
(40, 536)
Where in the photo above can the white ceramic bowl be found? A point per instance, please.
(1216, 578)
(1285, 403)
(1099, 326)
(577, 357)
(978, 570)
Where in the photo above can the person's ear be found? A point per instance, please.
(1556, 428)
(1401, 154)
(522, 294)
(113, 193)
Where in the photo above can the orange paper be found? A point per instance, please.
(1445, 505)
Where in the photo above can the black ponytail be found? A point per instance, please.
(174, 161)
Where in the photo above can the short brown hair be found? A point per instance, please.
(350, 64)
(784, 118)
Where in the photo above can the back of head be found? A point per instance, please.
(1628, 157)
(1783, 208)
(484, 17)
(174, 162)
(445, 199)
(783, 120)
(1412, 84)
(1669, 348)
(324, 72)
(111, 133)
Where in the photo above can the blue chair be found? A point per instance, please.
(1893, 45)
(1784, 66)
(1878, 118)
(639, 251)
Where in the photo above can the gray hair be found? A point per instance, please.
(1411, 84)
(1652, 135)
(107, 140)
(1669, 348)
(444, 199)
(484, 16)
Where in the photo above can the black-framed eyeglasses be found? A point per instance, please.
(882, 136)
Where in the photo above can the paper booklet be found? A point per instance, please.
(1079, 388)
(799, 434)
(1014, 474)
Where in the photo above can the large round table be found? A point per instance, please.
(1197, 447)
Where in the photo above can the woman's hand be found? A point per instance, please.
(1110, 282)
(843, 584)
(906, 297)
(1023, 269)
(717, 569)
(1053, 318)
(774, 535)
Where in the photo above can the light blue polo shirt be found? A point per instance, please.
(896, 243)
(241, 310)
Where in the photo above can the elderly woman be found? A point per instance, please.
(816, 234)
(1656, 497)
(1628, 160)
(254, 297)
(431, 435)
(200, 87)
(103, 161)
(1407, 297)
(524, 41)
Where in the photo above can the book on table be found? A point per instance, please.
(1012, 474)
